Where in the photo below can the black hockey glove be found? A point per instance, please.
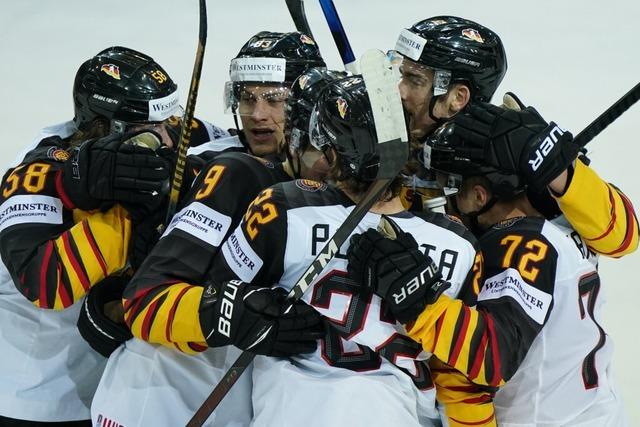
(117, 168)
(257, 319)
(519, 142)
(103, 334)
(144, 236)
(395, 270)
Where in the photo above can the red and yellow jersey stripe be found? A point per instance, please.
(602, 215)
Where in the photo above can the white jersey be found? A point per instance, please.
(48, 372)
(565, 377)
(346, 381)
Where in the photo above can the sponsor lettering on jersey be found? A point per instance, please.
(509, 283)
(202, 222)
(240, 257)
(30, 209)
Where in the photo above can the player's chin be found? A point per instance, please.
(263, 147)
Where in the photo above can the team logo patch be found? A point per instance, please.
(507, 223)
(111, 70)
(438, 21)
(472, 34)
(454, 218)
(307, 40)
(57, 154)
(302, 81)
(310, 185)
(342, 107)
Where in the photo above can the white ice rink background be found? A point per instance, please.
(569, 58)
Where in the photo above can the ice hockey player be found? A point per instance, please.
(69, 216)
(364, 358)
(162, 300)
(260, 78)
(447, 62)
(535, 332)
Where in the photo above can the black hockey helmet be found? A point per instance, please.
(124, 85)
(459, 50)
(342, 119)
(270, 58)
(448, 153)
(303, 96)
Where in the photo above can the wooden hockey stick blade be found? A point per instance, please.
(296, 10)
(187, 119)
(608, 117)
(339, 35)
(378, 79)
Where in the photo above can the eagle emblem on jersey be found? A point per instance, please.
(472, 34)
(342, 107)
(302, 81)
(310, 185)
(57, 154)
(306, 39)
(111, 70)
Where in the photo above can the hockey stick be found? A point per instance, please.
(608, 117)
(296, 10)
(185, 134)
(393, 150)
(339, 36)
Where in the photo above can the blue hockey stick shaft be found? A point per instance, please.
(339, 35)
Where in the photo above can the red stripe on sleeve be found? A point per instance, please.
(461, 336)
(172, 313)
(66, 201)
(438, 329)
(497, 366)
(477, 423)
(94, 247)
(84, 280)
(43, 274)
(612, 222)
(632, 222)
(477, 362)
(146, 323)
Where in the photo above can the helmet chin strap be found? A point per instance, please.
(241, 136)
(432, 103)
(471, 218)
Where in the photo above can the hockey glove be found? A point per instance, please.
(117, 168)
(395, 270)
(518, 142)
(99, 330)
(257, 319)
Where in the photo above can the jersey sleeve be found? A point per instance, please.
(600, 213)
(254, 252)
(465, 403)
(162, 299)
(487, 343)
(55, 253)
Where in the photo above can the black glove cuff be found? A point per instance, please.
(101, 333)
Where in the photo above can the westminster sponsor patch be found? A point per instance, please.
(509, 283)
(202, 222)
(410, 44)
(162, 108)
(30, 209)
(258, 69)
(241, 257)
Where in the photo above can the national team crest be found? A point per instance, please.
(472, 34)
(342, 107)
(111, 70)
(57, 154)
(302, 81)
(306, 39)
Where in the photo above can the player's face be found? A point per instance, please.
(261, 110)
(158, 128)
(416, 91)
